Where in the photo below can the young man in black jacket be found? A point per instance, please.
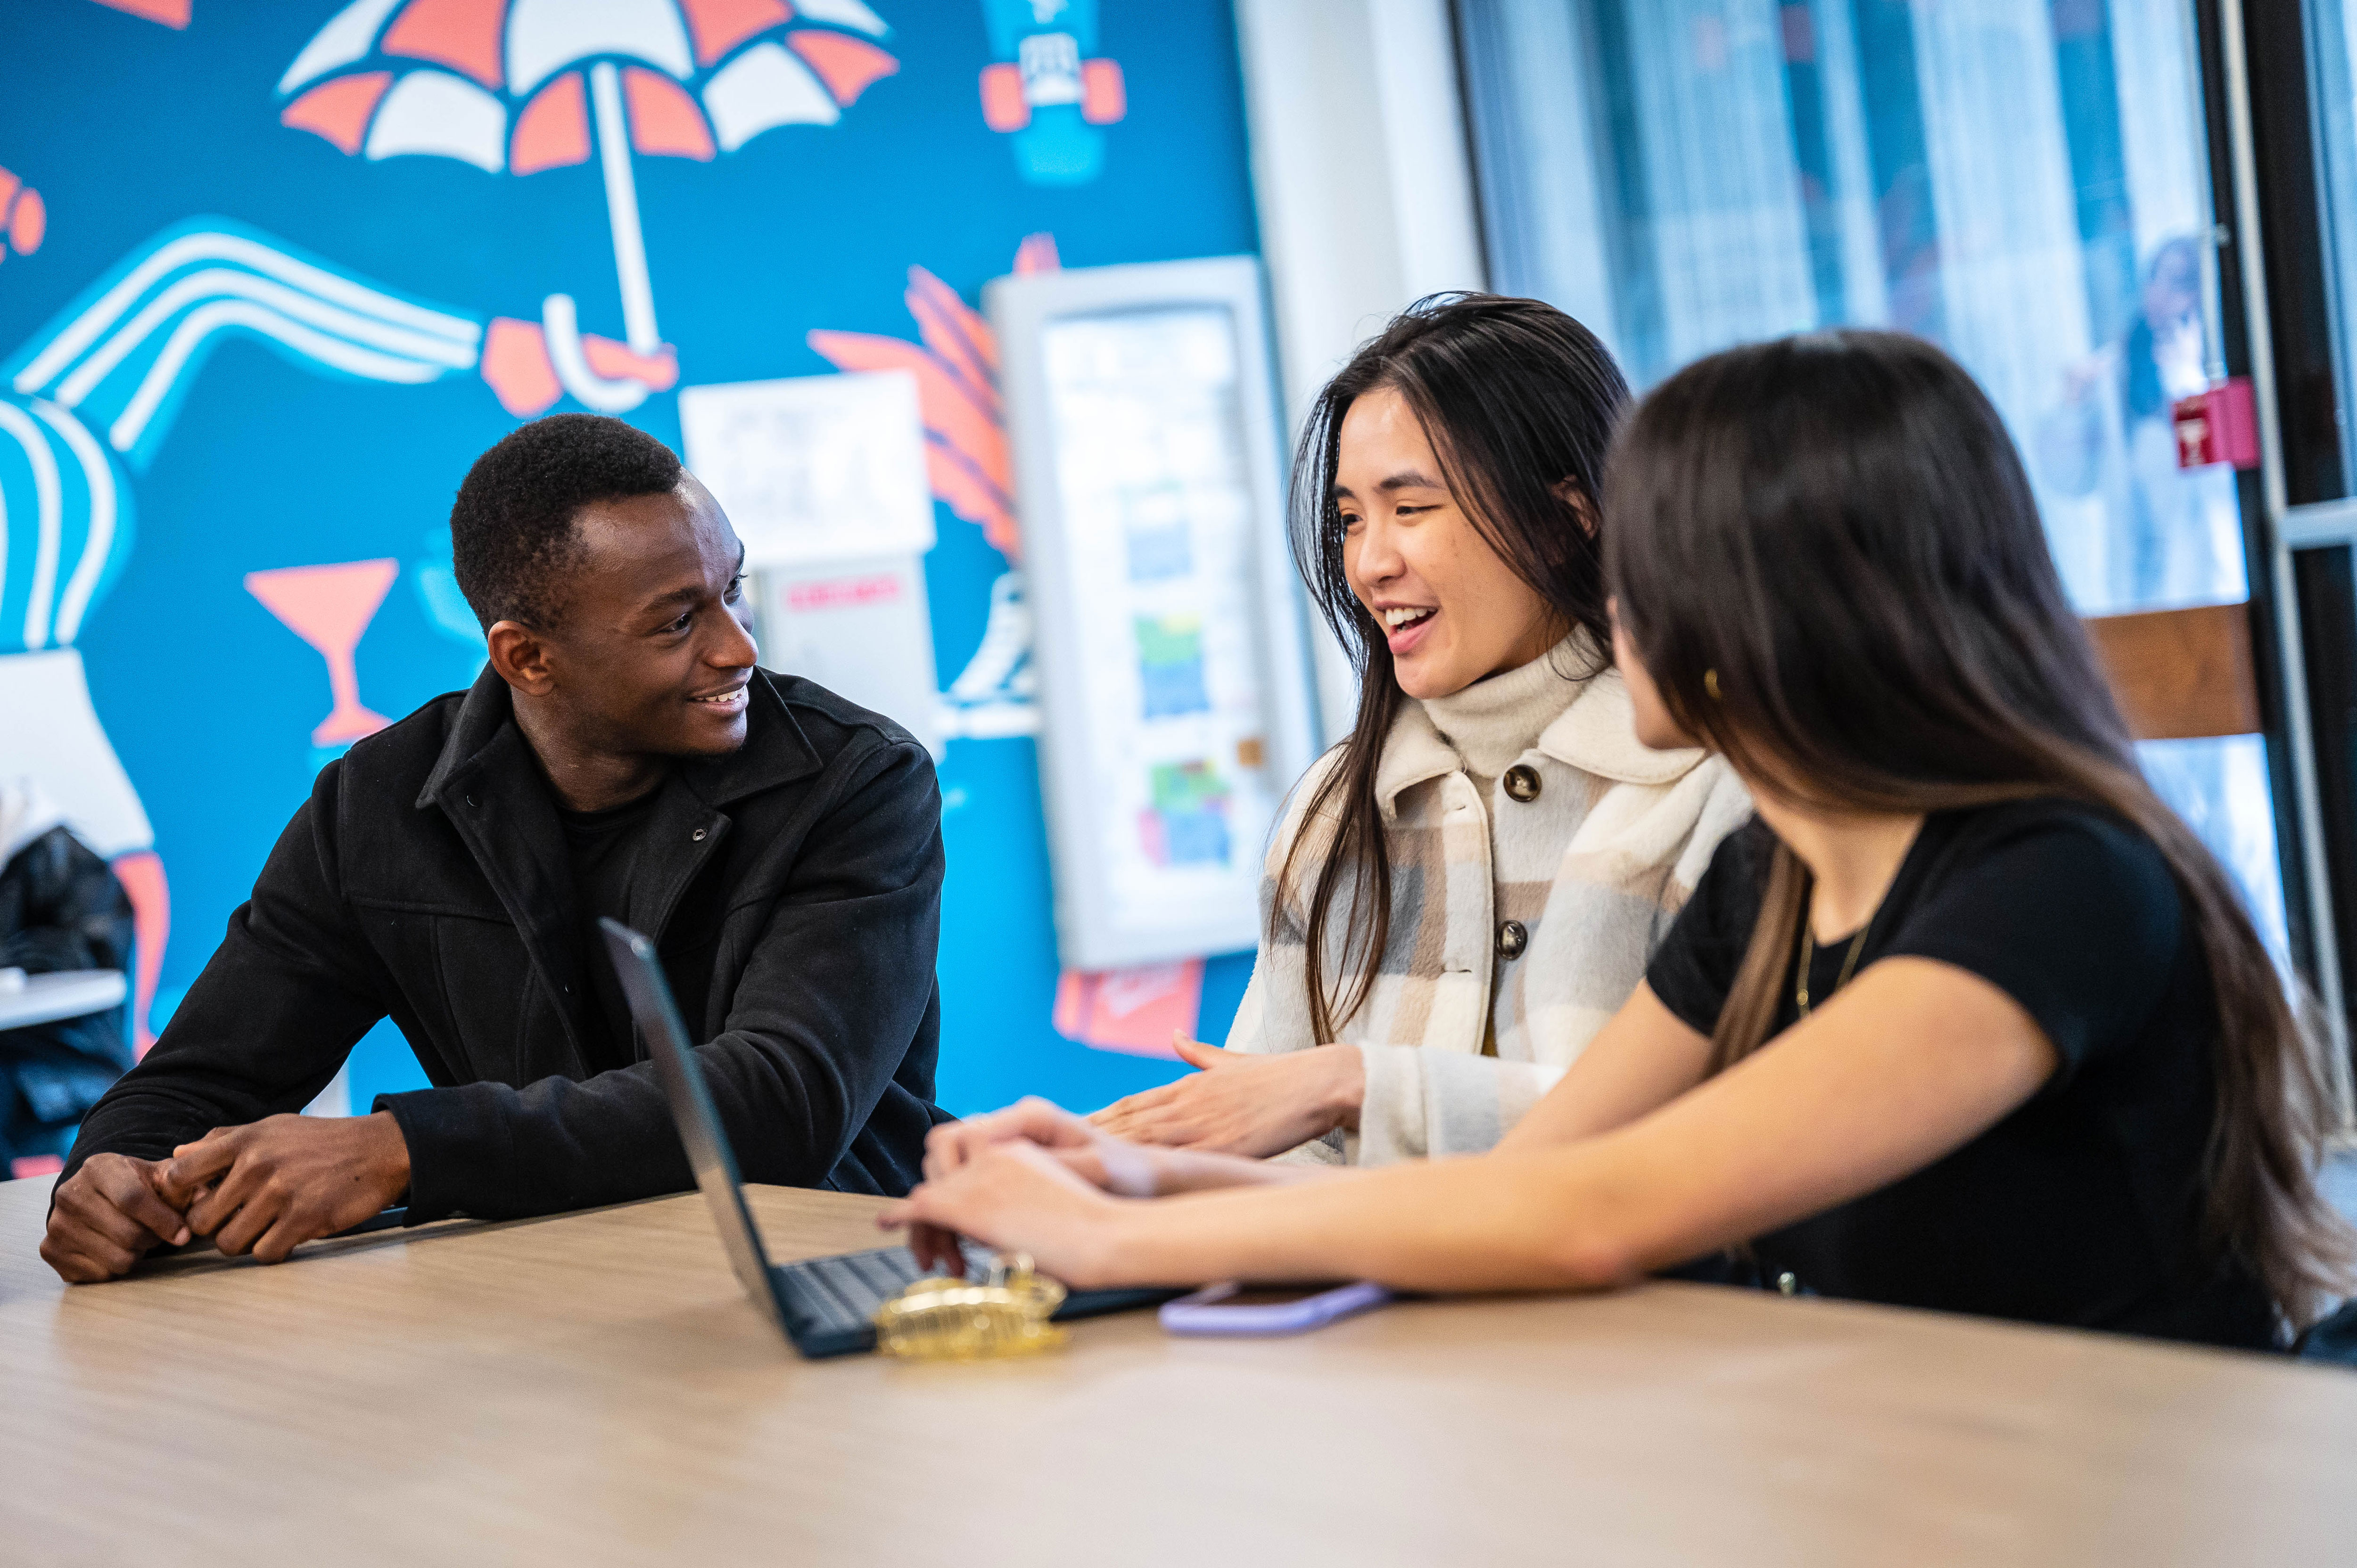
(620, 755)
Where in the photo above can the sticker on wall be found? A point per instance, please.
(1133, 1010)
(520, 86)
(1049, 90)
(23, 217)
(956, 369)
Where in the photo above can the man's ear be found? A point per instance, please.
(1568, 492)
(521, 656)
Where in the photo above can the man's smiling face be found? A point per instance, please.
(654, 647)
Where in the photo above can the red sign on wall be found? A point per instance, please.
(2220, 425)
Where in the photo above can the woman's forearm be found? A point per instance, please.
(1913, 1061)
(1179, 1171)
(1480, 1224)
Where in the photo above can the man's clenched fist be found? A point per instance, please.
(108, 1215)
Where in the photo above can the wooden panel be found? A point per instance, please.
(2181, 674)
(593, 1388)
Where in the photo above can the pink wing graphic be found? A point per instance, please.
(172, 12)
(955, 364)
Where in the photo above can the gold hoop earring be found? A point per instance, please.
(1710, 684)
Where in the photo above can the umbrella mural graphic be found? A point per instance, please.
(520, 86)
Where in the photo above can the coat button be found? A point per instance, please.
(1512, 938)
(697, 835)
(1522, 783)
(1788, 1284)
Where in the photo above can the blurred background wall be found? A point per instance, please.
(397, 230)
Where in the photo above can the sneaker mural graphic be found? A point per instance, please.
(1047, 90)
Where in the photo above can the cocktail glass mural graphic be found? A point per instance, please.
(329, 607)
(523, 86)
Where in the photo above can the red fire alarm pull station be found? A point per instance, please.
(2220, 425)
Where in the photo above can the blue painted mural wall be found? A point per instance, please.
(126, 125)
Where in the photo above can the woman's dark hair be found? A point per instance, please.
(1519, 402)
(1829, 559)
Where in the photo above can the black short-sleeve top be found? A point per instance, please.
(2081, 1206)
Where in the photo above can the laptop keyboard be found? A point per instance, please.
(840, 1294)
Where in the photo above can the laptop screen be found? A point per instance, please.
(681, 1078)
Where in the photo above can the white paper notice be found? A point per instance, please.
(815, 468)
(860, 629)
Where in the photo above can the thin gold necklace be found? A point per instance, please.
(1809, 953)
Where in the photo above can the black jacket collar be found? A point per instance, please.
(488, 783)
(485, 742)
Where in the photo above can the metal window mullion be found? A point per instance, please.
(2242, 157)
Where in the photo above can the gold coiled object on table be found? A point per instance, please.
(941, 1319)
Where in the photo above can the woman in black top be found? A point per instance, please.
(2023, 1053)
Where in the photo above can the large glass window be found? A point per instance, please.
(2023, 181)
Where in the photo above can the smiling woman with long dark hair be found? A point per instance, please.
(1967, 1020)
(1464, 891)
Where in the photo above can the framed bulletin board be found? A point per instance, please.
(1174, 677)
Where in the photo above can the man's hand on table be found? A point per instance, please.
(269, 1186)
(108, 1215)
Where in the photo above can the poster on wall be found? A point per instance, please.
(272, 277)
(814, 469)
(1174, 669)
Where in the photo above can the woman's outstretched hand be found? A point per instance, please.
(1242, 1103)
(1102, 1161)
(1015, 1196)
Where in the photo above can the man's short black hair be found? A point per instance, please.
(511, 539)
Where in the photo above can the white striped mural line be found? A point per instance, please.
(216, 282)
(16, 423)
(207, 320)
(189, 249)
(99, 542)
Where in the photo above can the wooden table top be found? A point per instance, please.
(592, 1389)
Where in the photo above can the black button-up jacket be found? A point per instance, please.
(793, 889)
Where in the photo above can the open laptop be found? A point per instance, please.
(826, 1305)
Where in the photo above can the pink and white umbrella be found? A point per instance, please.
(519, 86)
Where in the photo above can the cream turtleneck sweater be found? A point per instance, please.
(1589, 864)
(1494, 721)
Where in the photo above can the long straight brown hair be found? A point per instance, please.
(1829, 559)
(1519, 402)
